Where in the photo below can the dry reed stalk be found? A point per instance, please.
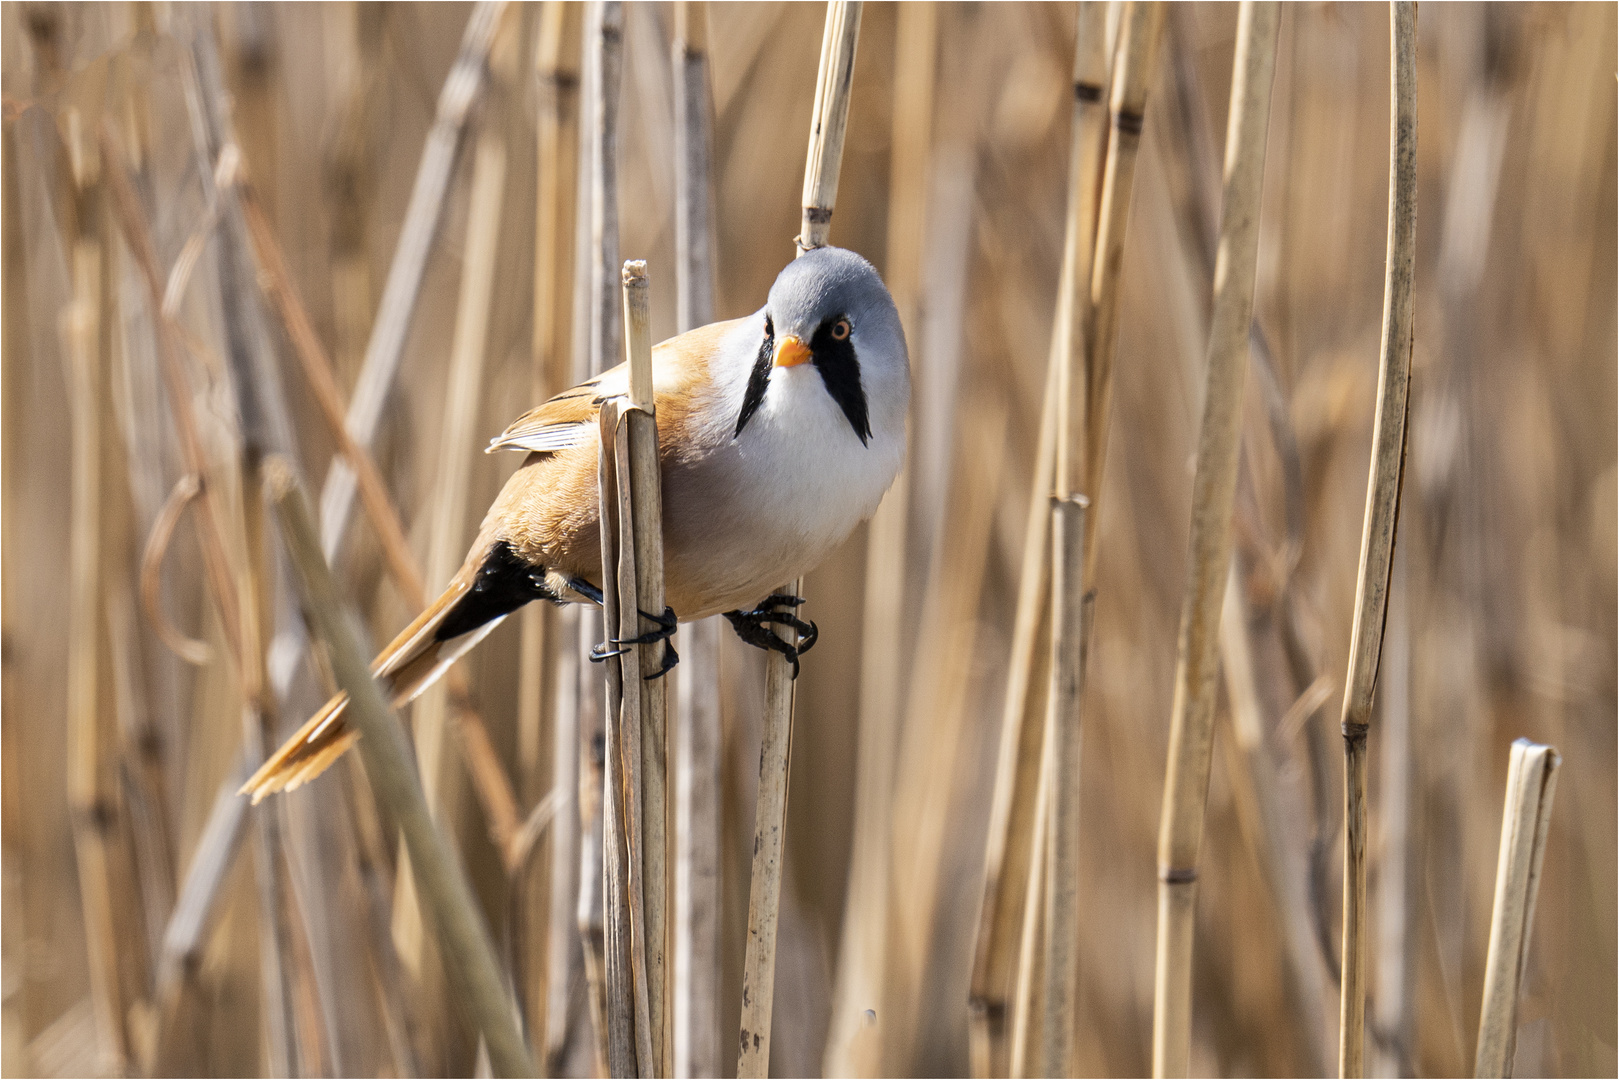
(196, 908)
(1014, 817)
(1382, 514)
(1525, 817)
(547, 954)
(623, 966)
(646, 499)
(646, 492)
(595, 348)
(1213, 490)
(91, 764)
(391, 771)
(1069, 604)
(1020, 776)
(698, 739)
(1061, 923)
(764, 884)
(855, 1043)
(447, 514)
(828, 123)
(1027, 1013)
(1134, 56)
(1061, 927)
(387, 343)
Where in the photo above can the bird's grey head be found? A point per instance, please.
(830, 308)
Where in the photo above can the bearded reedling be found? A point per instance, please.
(778, 433)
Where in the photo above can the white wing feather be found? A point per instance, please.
(548, 439)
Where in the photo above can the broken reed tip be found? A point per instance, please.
(634, 273)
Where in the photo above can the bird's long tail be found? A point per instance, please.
(411, 663)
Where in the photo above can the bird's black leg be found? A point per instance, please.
(753, 627)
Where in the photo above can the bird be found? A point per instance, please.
(778, 434)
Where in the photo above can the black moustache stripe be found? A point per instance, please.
(758, 379)
(840, 373)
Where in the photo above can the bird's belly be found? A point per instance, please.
(751, 517)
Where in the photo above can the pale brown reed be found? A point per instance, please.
(1191, 739)
(1382, 514)
(698, 738)
(1525, 817)
(828, 125)
(389, 768)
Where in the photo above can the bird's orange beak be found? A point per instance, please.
(790, 352)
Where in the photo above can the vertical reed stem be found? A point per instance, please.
(1061, 892)
(390, 767)
(620, 817)
(551, 951)
(1382, 514)
(1015, 819)
(827, 127)
(1023, 774)
(596, 327)
(1525, 817)
(1133, 63)
(647, 498)
(91, 772)
(1191, 735)
(698, 739)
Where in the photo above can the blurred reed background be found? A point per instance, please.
(1502, 612)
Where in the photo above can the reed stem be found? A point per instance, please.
(596, 327)
(827, 126)
(91, 772)
(1061, 892)
(1525, 817)
(647, 502)
(551, 959)
(1191, 737)
(1382, 514)
(442, 885)
(698, 738)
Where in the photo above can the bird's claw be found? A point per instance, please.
(666, 629)
(753, 627)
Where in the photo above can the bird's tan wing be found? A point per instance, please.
(562, 422)
(568, 419)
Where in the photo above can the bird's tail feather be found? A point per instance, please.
(411, 663)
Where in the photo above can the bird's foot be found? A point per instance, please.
(619, 646)
(753, 627)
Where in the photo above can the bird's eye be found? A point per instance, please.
(840, 330)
